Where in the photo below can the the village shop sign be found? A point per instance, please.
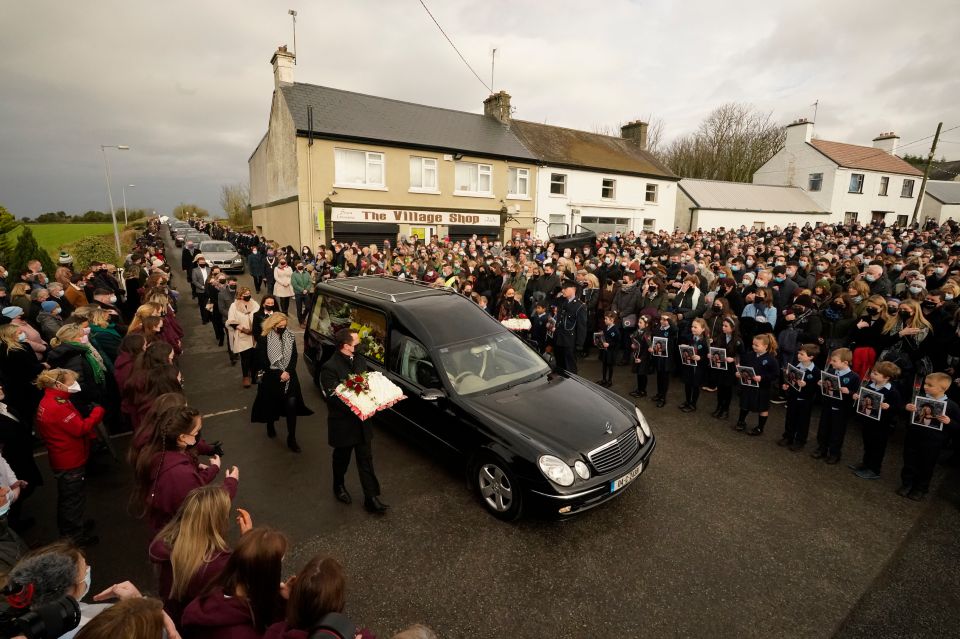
(387, 216)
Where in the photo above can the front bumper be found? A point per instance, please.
(560, 505)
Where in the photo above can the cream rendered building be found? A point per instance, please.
(337, 164)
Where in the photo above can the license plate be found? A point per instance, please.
(617, 484)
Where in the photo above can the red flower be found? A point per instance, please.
(522, 316)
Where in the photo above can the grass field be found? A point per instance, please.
(52, 236)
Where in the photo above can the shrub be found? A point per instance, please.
(92, 249)
(26, 250)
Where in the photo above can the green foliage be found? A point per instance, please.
(185, 211)
(58, 217)
(92, 249)
(7, 224)
(26, 250)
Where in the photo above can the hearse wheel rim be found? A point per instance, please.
(495, 488)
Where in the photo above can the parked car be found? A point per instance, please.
(196, 237)
(222, 254)
(179, 233)
(529, 436)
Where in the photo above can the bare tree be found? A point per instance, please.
(235, 202)
(183, 211)
(730, 144)
(654, 132)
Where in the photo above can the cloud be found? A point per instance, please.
(187, 85)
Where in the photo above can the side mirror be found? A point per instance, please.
(432, 395)
(550, 360)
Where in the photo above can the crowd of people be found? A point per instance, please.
(860, 320)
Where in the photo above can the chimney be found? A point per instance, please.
(282, 62)
(799, 132)
(636, 131)
(886, 142)
(498, 106)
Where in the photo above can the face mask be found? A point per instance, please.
(940, 270)
(280, 329)
(948, 296)
(821, 268)
(113, 299)
(87, 583)
(915, 289)
(246, 298)
(749, 262)
(803, 264)
(897, 267)
(778, 280)
(267, 310)
(717, 308)
(870, 277)
(74, 387)
(892, 310)
(873, 312)
(84, 340)
(761, 284)
(58, 294)
(254, 251)
(857, 299)
(21, 337)
(905, 314)
(202, 264)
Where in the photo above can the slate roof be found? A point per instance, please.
(747, 197)
(944, 192)
(570, 147)
(349, 115)
(867, 158)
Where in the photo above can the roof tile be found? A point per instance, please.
(867, 158)
(753, 198)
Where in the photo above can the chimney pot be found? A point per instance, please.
(282, 62)
(497, 105)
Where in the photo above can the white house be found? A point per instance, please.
(862, 183)
(598, 182)
(711, 204)
(941, 201)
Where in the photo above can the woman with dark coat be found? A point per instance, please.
(16, 445)
(72, 350)
(278, 393)
(18, 368)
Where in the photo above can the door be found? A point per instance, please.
(877, 216)
(423, 233)
(414, 371)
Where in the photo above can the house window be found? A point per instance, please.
(649, 224)
(856, 183)
(518, 182)
(558, 224)
(903, 220)
(608, 190)
(474, 179)
(884, 185)
(816, 182)
(759, 226)
(849, 217)
(358, 168)
(558, 184)
(423, 174)
(878, 216)
(907, 190)
(652, 194)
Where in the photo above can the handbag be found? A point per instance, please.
(629, 321)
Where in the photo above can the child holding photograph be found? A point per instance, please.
(921, 447)
(763, 360)
(664, 365)
(835, 412)
(693, 375)
(640, 344)
(876, 432)
(608, 343)
(796, 425)
(729, 340)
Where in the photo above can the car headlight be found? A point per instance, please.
(237, 259)
(643, 423)
(582, 470)
(555, 470)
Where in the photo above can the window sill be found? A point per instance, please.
(360, 187)
(424, 191)
(518, 197)
(472, 194)
(651, 203)
(907, 197)
(881, 195)
(558, 195)
(854, 192)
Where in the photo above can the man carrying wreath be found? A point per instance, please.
(346, 432)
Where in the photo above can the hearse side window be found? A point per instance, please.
(409, 359)
(330, 314)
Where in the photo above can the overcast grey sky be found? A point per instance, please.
(187, 84)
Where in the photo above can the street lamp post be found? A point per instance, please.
(113, 212)
(129, 186)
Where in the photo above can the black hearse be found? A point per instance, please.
(530, 436)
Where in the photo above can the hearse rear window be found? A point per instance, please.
(330, 314)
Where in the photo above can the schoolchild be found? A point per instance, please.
(664, 365)
(876, 432)
(538, 326)
(693, 374)
(609, 342)
(763, 359)
(835, 413)
(730, 341)
(796, 425)
(640, 345)
(922, 445)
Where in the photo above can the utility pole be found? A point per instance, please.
(926, 173)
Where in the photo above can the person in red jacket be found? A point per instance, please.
(67, 434)
(167, 467)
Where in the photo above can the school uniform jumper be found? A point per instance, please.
(921, 449)
(796, 425)
(834, 416)
(877, 432)
(608, 356)
(693, 375)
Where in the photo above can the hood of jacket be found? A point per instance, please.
(216, 610)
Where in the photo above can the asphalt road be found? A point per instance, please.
(724, 536)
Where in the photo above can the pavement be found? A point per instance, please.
(724, 536)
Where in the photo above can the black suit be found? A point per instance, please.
(570, 333)
(345, 431)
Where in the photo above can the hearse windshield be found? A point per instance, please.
(486, 364)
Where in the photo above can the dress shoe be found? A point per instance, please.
(374, 505)
(903, 491)
(271, 431)
(818, 453)
(683, 405)
(293, 445)
(783, 441)
(689, 408)
(916, 494)
(832, 459)
(755, 432)
(634, 393)
(600, 382)
(740, 426)
(661, 403)
(340, 492)
(723, 414)
(796, 447)
(866, 473)
(855, 467)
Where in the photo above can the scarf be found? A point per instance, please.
(279, 351)
(93, 360)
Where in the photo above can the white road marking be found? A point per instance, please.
(224, 412)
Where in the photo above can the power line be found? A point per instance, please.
(476, 75)
(927, 137)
